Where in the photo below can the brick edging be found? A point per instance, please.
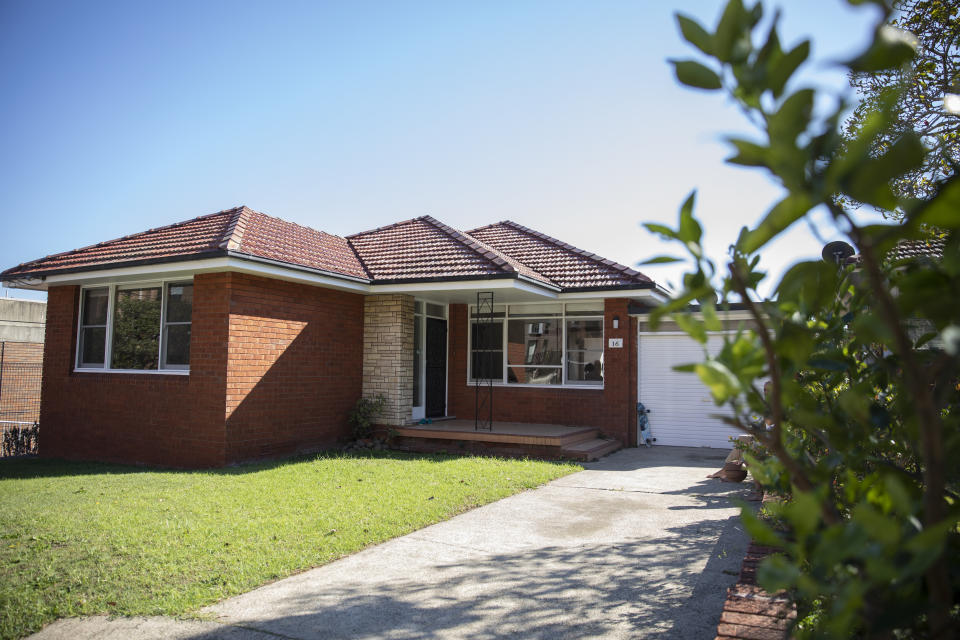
(749, 612)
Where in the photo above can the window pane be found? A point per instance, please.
(136, 329)
(417, 322)
(95, 307)
(177, 345)
(437, 310)
(585, 351)
(534, 375)
(487, 364)
(534, 342)
(92, 343)
(487, 336)
(179, 302)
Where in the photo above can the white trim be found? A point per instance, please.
(162, 372)
(723, 315)
(112, 290)
(516, 385)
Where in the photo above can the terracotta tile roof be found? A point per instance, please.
(422, 249)
(199, 236)
(427, 249)
(567, 266)
(260, 235)
(239, 230)
(909, 249)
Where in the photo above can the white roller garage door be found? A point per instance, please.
(680, 405)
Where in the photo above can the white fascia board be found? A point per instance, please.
(633, 294)
(161, 271)
(723, 315)
(499, 284)
(32, 284)
(189, 268)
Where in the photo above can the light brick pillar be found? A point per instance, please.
(388, 355)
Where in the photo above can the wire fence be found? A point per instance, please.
(19, 407)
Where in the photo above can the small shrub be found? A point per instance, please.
(363, 414)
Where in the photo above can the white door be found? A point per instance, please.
(681, 408)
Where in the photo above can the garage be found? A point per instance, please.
(681, 409)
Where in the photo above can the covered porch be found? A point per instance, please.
(506, 439)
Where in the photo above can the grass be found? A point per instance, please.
(84, 538)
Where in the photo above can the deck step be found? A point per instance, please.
(591, 449)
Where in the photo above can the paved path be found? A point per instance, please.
(639, 545)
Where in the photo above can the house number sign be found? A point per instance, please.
(616, 343)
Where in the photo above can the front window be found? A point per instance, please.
(136, 328)
(543, 344)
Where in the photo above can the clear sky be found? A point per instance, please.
(118, 117)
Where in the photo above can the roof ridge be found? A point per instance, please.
(363, 264)
(385, 227)
(122, 238)
(616, 266)
(471, 243)
(233, 235)
(510, 259)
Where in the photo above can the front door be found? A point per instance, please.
(436, 368)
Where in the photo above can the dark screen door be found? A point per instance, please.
(436, 368)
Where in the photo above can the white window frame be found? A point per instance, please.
(112, 289)
(562, 317)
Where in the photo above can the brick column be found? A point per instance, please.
(388, 355)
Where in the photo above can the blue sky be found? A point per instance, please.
(345, 116)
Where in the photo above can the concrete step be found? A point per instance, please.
(594, 449)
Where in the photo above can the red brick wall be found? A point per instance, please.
(612, 409)
(274, 369)
(170, 420)
(295, 366)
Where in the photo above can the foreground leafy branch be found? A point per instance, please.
(863, 356)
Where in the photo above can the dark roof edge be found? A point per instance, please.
(513, 275)
(613, 287)
(203, 255)
(121, 238)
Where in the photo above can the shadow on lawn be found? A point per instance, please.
(27, 468)
(638, 588)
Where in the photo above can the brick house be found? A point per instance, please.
(236, 336)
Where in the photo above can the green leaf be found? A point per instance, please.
(776, 573)
(781, 68)
(792, 118)
(749, 154)
(758, 530)
(729, 30)
(661, 260)
(719, 379)
(869, 181)
(782, 215)
(883, 53)
(710, 318)
(691, 326)
(695, 34)
(661, 230)
(690, 230)
(944, 209)
(694, 74)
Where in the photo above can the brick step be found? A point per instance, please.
(580, 436)
(593, 449)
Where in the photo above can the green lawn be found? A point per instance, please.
(83, 538)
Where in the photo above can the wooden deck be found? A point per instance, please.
(507, 438)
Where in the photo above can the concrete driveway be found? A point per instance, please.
(639, 545)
